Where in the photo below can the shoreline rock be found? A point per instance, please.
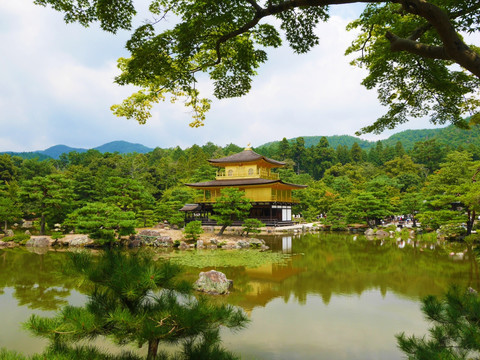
(213, 282)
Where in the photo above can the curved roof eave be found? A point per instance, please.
(245, 156)
(243, 182)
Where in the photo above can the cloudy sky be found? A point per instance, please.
(57, 88)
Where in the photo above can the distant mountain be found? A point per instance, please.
(449, 135)
(123, 147)
(54, 152)
(57, 150)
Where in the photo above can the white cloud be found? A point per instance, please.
(58, 88)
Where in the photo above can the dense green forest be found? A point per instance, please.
(451, 135)
(431, 182)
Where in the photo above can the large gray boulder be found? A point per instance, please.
(9, 233)
(163, 241)
(27, 224)
(149, 232)
(213, 282)
(154, 238)
(183, 245)
(6, 244)
(76, 240)
(243, 244)
(256, 243)
(39, 241)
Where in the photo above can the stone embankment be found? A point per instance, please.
(164, 238)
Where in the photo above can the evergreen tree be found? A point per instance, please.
(8, 170)
(322, 157)
(429, 153)
(50, 197)
(368, 208)
(193, 230)
(298, 152)
(9, 206)
(103, 222)
(356, 153)
(230, 206)
(251, 226)
(342, 154)
(284, 149)
(337, 215)
(399, 149)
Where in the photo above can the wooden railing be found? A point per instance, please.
(243, 174)
(273, 198)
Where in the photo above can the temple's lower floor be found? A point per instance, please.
(271, 214)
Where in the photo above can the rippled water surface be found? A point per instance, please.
(322, 296)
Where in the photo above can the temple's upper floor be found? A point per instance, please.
(246, 165)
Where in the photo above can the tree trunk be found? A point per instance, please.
(6, 226)
(152, 349)
(222, 230)
(42, 224)
(471, 220)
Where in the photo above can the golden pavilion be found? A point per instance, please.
(271, 198)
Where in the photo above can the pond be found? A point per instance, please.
(331, 296)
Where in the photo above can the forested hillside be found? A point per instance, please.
(451, 135)
(348, 184)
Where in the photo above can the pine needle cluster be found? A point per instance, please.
(455, 333)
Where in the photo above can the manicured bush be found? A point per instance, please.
(17, 238)
(252, 226)
(193, 230)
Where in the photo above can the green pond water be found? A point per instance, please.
(321, 296)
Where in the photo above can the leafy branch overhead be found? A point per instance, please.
(413, 49)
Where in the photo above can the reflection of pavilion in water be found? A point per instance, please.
(266, 282)
(328, 269)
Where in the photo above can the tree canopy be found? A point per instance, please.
(414, 50)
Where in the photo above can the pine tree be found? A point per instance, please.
(455, 333)
(230, 206)
(135, 299)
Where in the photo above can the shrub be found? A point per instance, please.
(192, 230)
(18, 238)
(452, 231)
(57, 235)
(252, 226)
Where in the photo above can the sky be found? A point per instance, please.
(57, 88)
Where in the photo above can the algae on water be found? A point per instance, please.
(206, 258)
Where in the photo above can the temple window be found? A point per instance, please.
(250, 172)
(230, 172)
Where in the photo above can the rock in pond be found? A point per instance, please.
(154, 238)
(382, 233)
(213, 282)
(7, 244)
(369, 232)
(183, 246)
(38, 241)
(76, 240)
